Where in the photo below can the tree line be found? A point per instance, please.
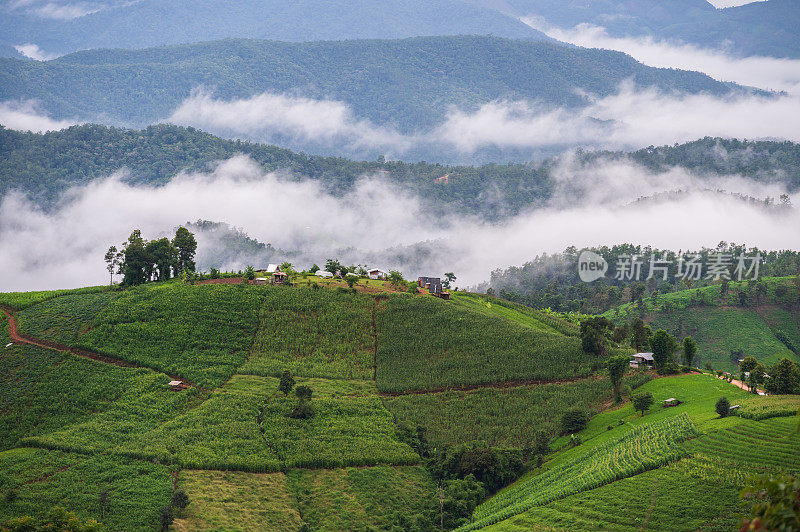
(140, 261)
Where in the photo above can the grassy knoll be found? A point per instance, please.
(41, 479)
(721, 333)
(202, 333)
(362, 499)
(349, 427)
(515, 312)
(21, 300)
(233, 500)
(427, 343)
(43, 391)
(502, 417)
(314, 333)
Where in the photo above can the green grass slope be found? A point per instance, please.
(766, 326)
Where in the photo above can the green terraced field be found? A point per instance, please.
(314, 333)
(233, 500)
(426, 343)
(64, 319)
(22, 300)
(41, 479)
(363, 499)
(497, 416)
(222, 433)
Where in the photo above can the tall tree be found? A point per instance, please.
(135, 262)
(186, 247)
(162, 256)
(449, 277)
(689, 350)
(616, 370)
(113, 260)
(664, 346)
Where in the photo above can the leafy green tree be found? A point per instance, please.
(616, 370)
(723, 406)
(314, 269)
(186, 247)
(286, 383)
(620, 333)
(449, 277)
(303, 410)
(777, 504)
(249, 273)
(689, 350)
(350, 279)
(664, 346)
(162, 256)
(642, 402)
(640, 334)
(180, 500)
(784, 378)
(165, 517)
(574, 420)
(333, 266)
(593, 334)
(135, 262)
(396, 279)
(748, 363)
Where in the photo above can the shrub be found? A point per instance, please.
(287, 382)
(180, 499)
(574, 420)
(723, 406)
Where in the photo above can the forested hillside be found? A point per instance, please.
(145, 23)
(407, 84)
(45, 165)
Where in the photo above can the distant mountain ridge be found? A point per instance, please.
(148, 23)
(770, 28)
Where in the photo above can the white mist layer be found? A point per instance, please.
(26, 116)
(64, 248)
(768, 73)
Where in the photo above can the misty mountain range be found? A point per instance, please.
(44, 166)
(398, 88)
(759, 28)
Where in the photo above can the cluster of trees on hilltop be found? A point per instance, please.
(551, 281)
(140, 261)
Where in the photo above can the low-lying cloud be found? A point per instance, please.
(26, 116)
(266, 116)
(64, 247)
(768, 73)
(56, 10)
(633, 117)
(32, 51)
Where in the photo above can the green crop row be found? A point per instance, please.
(643, 448)
(426, 343)
(21, 300)
(223, 433)
(314, 333)
(764, 407)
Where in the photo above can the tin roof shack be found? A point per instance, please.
(671, 402)
(177, 385)
(260, 280)
(272, 268)
(642, 359)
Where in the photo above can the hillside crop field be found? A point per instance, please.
(470, 371)
(767, 326)
(692, 459)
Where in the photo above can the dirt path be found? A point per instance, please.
(743, 386)
(20, 338)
